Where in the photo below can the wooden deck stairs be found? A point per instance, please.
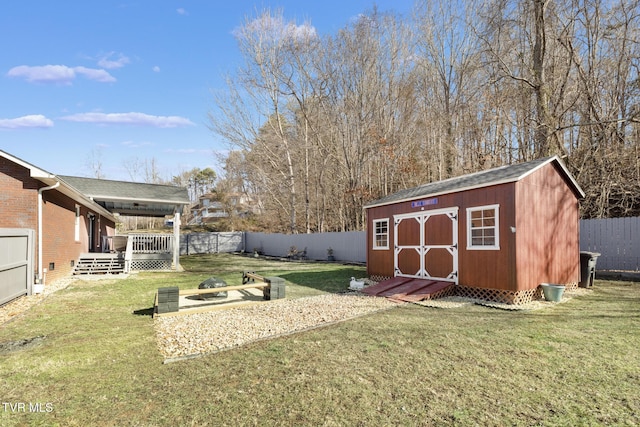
(100, 263)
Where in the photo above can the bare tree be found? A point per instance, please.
(449, 56)
(325, 124)
(261, 85)
(145, 170)
(94, 163)
(605, 52)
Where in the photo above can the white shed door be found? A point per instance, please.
(426, 244)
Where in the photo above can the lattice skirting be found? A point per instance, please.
(495, 295)
(571, 286)
(499, 295)
(376, 278)
(150, 264)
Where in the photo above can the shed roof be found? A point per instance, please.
(486, 178)
(131, 198)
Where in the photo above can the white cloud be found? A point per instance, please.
(107, 62)
(60, 74)
(135, 119)
(276, 27)
(44, 74)
(181, 150)
(304, 31)
(182, 11)
(199, 151)
(93, 74)
(156, 69)
(26, 122)
(133, 144)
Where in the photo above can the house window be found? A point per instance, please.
(77, 224)
(482, 227)
(381, 234)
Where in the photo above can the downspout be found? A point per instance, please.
(39, 276)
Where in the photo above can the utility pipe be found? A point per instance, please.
(39, 278)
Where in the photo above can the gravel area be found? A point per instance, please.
(202, 333)
(190, 335)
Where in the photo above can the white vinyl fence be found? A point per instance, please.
(210, 243)
(350, 246)
(347, 246)
(616, 239)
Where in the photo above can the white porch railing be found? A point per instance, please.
(151, 243)
(141, 245)
(114, 243)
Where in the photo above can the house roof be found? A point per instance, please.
(49, 179)
(107, 197)
(131, 198)
(486, 178)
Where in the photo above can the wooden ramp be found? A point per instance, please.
(408, 289)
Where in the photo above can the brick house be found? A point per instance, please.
(70, 222)
(48, 221)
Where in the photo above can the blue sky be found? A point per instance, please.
(129, 80)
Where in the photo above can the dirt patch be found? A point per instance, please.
(19, 305)
(24, 344)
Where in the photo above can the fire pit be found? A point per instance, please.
(212, 283)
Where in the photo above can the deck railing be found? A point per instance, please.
(149, 251)
(140, 243)
(114, 243)
(151, 243)
(137, 244)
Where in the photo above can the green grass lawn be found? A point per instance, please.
(576, 363)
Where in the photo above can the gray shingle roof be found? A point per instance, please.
(50, 179)
(103, 189)
(499, 175)
(107, 196)
(131, 198)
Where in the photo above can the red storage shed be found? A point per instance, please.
(495, 234)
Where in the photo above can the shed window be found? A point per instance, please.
(482, 227)
(381, 234)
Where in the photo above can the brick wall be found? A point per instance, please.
(19, 209)
(59, 248)
(18, 196)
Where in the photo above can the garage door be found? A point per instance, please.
(16, 263)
